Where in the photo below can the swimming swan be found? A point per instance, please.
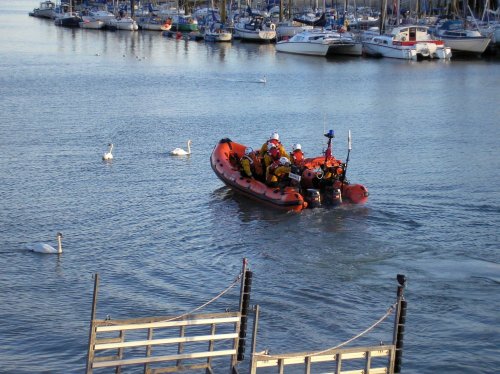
(108, 155)
(263, 80)
(182, 152)
(46, 248)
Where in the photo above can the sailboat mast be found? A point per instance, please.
(383, 13)
(223, 14)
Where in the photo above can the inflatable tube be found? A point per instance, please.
(223, 163)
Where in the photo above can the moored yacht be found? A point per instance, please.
(407, 42)
(255, 29)
(460, 39)
(318, 42)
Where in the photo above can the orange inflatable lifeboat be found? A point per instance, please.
(321, 180)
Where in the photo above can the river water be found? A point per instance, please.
(166, 236)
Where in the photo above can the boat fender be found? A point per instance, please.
(273, 26)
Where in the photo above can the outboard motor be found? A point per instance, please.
(336, 196)
(313, 198)
(332, 196)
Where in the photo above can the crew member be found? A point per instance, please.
(297, 156)
(251, 165)
(274, 139)
(273, 154)
(277, 173)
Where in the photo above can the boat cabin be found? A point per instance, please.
(410, 34)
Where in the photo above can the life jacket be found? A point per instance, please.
(297, 157)
(253, 163)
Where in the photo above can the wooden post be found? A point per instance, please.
(180, 347)
(399, 320)
(92, 332)
(307, 369)
(148, 350)
(253, 369)
(244, 299)
(211, 346)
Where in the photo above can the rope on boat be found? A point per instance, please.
(235, 282)
(387, 314)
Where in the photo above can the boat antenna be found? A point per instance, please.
(349, 147)
(324, 123)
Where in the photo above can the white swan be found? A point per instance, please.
(182, 152)
(46, 248)
(108, 155)
(263, 80)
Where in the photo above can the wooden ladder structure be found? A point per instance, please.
(169, 344)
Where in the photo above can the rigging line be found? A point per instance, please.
(387, 314)
(237, 280)
(389, 311)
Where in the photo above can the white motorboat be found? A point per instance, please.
(255, 29)
(90, 22)
(460, 39)
(344, 43)
(122, 23)
(407, 42)
(320, 43)
(305, 43)
(45, 10)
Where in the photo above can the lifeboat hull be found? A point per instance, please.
(228, 171)
(224, 161)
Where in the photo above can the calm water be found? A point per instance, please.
(165, 235)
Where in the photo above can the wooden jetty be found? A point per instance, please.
(194, 342)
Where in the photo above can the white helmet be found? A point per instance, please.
(248, 151)
(284, 161)
(296, 147)
(275, 136)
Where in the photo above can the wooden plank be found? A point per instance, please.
(353, 355)
(362, 371)
(174, 369)
(139, 326)
(324, 358)
(383, 370)
(143, 360)
(108, 322)
(186, 339)
(381, 353)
